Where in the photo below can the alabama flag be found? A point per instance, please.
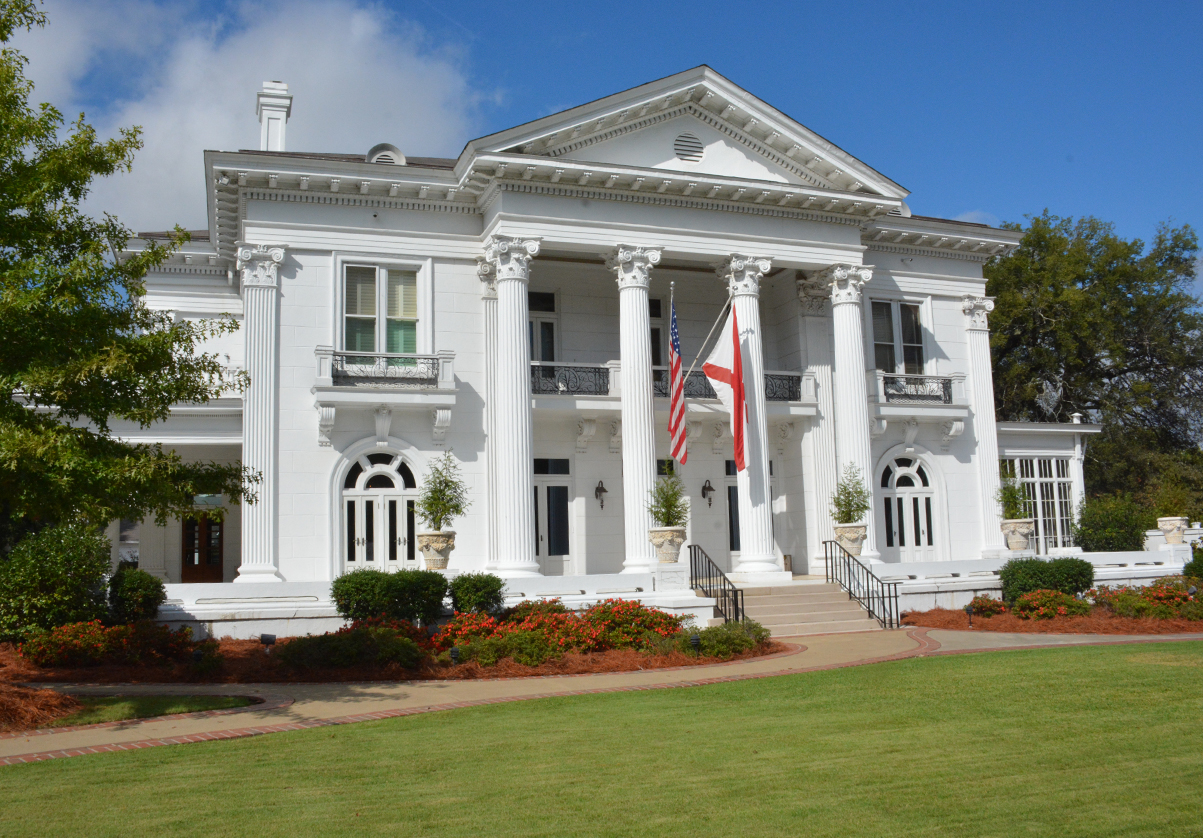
(725, 369)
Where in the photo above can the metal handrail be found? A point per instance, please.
(879, 598)
(708, 577)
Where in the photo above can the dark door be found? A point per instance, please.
(202, 553)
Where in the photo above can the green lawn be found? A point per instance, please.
(1088, 741)
(118, 708)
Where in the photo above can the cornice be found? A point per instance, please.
(356, 200)
(966, 256)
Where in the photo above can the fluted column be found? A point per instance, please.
(981, 395)
(258, 266)
(514, 507)
(813, 299)
(489, 299)
(851, 395)
(756, 554)
(632, 268)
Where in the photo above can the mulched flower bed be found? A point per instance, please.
(22, 708)
(1100, 621)
(246, 662)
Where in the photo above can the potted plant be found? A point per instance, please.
(1017, 530)
(849, 505)
(670, 511)
(444, 497)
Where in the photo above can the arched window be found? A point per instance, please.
(378, 516)
(908, 511)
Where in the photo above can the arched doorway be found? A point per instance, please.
(909, 511)
(379, 492)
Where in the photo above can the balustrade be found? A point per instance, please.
(569, 379)
(914, 389)
(390, 370)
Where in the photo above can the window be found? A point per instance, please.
(897, 335)
(655, 310)
(202, 550)
(546, 466)
(1050, 490)
(542, 306)
(380, 307)
(664, 468)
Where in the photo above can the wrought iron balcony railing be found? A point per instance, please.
(569, 379)
(384, 370)
(778, 386)
(914, 389)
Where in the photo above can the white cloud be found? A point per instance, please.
(979, 217)
(358, 75)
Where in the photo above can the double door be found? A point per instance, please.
(379, 530)
(909, 512)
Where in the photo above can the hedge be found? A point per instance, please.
(1067, 575)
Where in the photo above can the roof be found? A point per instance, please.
(197, 235)
(422, 162)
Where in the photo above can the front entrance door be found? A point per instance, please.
(908, 509)
(202, 553)
(552, 493)
(380, 531)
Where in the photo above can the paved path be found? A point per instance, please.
(300, 706)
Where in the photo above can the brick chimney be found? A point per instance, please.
(273, 104)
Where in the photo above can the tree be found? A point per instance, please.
(1087, 322)
(79, 347)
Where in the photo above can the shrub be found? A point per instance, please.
(1044, 605)
(53, 578)
(1069, 576)
(1194, 568)
(1191, 611)
(529, 648)
(985, 606)
(412, 595)
(529, 607)
(444, 494)
(1112, 523)
(356, 645)
(668, 505)
(134, 595)
(477, 593)
(91, 644)
(725, 641)
(851, 499)
(1012, 498)
(625, 622)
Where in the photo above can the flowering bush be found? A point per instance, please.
(985, 606)
(91, 644)
(354, 645)
(1164, 599)
(1044, 605)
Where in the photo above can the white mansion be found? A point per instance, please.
(511, 305)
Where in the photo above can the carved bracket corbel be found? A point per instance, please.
(722, 436)
(325, 423)
(616, 436)
(910, 430)
(440, 419)
(585, 429)
(384, 425)
(877, 427)
(785, 432)
(950, 429)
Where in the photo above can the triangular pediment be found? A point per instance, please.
(694, 123)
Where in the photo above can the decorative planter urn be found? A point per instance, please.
(1174, 529)
(851, 537)
(668, 541)
(1018, 531)
(436, 548)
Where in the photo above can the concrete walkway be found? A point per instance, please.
(300, 706)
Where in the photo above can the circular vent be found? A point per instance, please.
(688, 147)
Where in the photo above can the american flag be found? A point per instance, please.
(676, 392)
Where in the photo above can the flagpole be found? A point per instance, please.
(726, 305)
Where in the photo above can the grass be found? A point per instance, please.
(119, 708)
(1086, 741)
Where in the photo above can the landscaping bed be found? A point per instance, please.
(1099, 621)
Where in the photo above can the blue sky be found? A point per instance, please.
(986, 111)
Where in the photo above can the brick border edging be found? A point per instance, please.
(927, 646)
(258, 702)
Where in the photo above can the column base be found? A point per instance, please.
(517, 571)
(258, 574)
(758, 564)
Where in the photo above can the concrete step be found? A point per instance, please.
(780, 590)
(797, 600)
(803, 617)
(811, 608)
(803, 629)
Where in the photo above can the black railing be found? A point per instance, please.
(879, 598)
(383, 369)
(569, 379)
(778, 387)
(706, 576)
(782, 387)
(917, 389)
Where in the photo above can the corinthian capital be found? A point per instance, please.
(258, 263)
(977, 309)
(813, 296)
(847, 282)
(743, 274)
(632, 266)
(509, 258)
(484, 269)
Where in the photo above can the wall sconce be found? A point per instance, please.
(600, 494)
(708, 493)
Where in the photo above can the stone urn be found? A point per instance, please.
(1174, 529)
(1018, 531)
(851, 537)
(668, 541)
(436, 548)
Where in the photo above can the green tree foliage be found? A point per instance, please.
(851, 499)
(1088, 322)
(668, 503)
(80, 348)
(53, 578)
(444, 494)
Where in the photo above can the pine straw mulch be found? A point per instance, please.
(1099, 621)
(246, 662)
(22, 708)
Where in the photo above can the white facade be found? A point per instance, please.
(512, 305)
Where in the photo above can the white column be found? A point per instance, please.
(813, 298)
(1077, 472)
(489, 299)
(514, 506)
(258, 266)
(851, 394)
(632, 268)
(756, 553)
(985, 431)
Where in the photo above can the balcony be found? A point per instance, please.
(915, 389)
(384, 370)
(914, 399)
(569, 379)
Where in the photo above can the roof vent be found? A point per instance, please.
(900, 211)
(386, 153)
(687, 147)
